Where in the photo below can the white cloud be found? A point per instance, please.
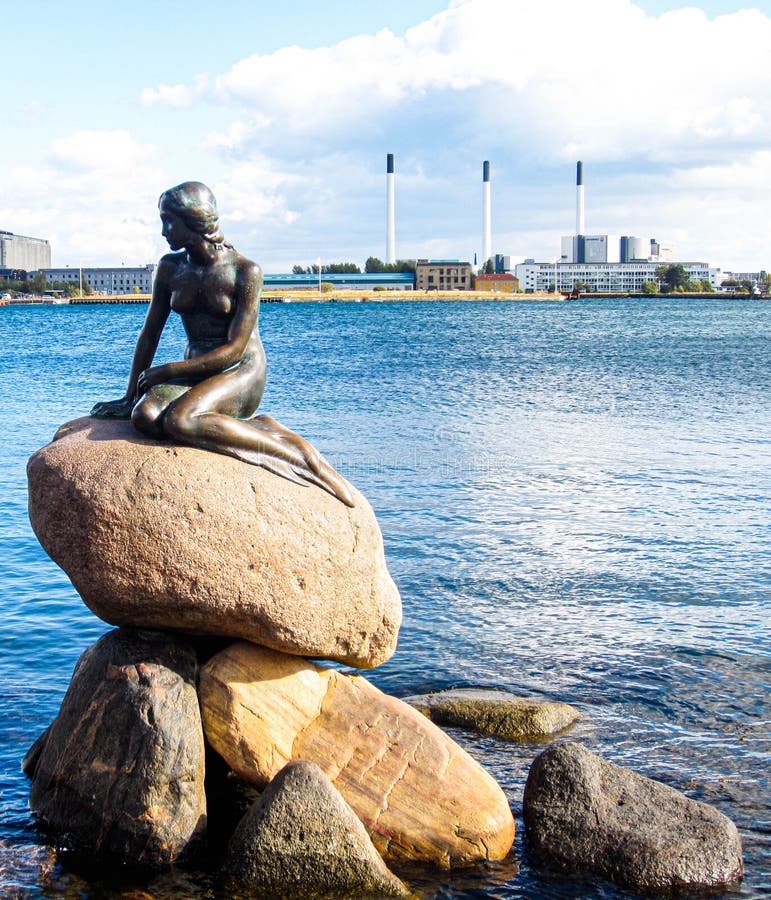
(105, 151)
(600, 78)
(177, 95)
(257, 190)
(94, 199)
(237, 134)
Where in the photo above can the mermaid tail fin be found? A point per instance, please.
(306, 466)
(273, 464)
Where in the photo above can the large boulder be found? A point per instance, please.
(586, 814)
(419, 795)
(155, 535)
(499, 713)
(301, 838)
(119, 773)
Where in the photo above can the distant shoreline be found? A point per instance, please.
(353, 296)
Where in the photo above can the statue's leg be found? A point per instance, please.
(187, 423)
(196, 419)
(147, 414)
(310, 454)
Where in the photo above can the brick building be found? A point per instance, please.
(442, 275)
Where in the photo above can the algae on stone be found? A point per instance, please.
(498, 713)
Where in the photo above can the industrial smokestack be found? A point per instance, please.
(487, 227)
(390, 214)
(580, 227)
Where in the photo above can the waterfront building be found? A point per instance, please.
(442, 275)
(609, 277)
(348, 281)
(19, 252)
(501, 283)
(754, 277)
(133, 280)
(106, 280)
(728, 282)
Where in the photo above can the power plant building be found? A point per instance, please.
(607, 248)
(23, 253)
(603, 263)
(613, 248)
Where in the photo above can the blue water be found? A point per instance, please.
(575, 503)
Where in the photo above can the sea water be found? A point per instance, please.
(575, 503)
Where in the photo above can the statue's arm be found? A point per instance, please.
(244, 324)
(147, 344)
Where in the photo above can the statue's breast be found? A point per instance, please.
(196, 292)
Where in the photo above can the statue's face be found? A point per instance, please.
(177, 234)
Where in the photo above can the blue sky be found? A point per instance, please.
(288, 110)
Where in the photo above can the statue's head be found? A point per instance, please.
(194, 203)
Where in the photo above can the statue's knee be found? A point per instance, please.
(178, 425)
(145, 417)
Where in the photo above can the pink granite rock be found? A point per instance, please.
(155, 535)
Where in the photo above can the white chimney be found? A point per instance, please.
(390, 214)
(487, 228)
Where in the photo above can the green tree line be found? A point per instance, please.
(38, 284)
(674, 279)
(372, 265)
(341, 268)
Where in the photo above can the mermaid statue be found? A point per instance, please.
(209, 398)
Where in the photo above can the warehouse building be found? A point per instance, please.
(109, 281)
(19, 252)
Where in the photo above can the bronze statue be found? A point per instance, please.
(208, 399)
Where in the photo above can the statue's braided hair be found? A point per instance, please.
(194, 203)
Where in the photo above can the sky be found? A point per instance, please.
(287, 111)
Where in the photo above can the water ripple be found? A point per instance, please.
(574, 500)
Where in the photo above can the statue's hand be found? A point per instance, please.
(150, 377)
(113, 409)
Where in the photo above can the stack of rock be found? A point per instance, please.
(226, 580)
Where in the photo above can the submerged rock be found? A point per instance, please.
(155, 535)
(419, 795)
(120, 771)
(495, 712)
(301, 839)
(586, 814)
